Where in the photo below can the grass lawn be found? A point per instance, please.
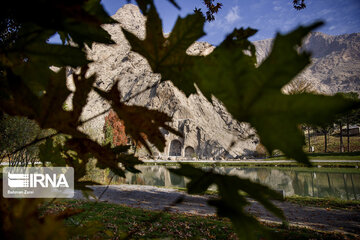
(328, 203)
(112, 221)
(333, 144)
(326, 156)
(266, 164)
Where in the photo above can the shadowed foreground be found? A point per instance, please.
(153, 198)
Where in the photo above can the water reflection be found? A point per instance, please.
(341, 184)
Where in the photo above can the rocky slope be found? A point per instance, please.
(209, 130)
(335, 63)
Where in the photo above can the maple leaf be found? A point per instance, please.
(50, 153)
(86, 148)
(83, 87)
(50, 110)
(231, 203)
(251, 94)
(139, 120)
(167, 55)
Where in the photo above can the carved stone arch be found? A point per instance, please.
(175, 148)
(189, 152)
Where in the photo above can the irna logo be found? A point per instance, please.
(16, 180)
(38, 182)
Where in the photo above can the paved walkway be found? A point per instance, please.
(248, 161)
(154, 198)
(229, 161)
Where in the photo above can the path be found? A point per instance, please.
(248, 161)
(227, 161)
(154, 198)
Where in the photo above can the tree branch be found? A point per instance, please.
(36, 140)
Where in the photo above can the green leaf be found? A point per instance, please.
(86, 148)
(251, 94)
(174, 3)
(200, 180)
(35, 75)
(95, 9)
(231, 203)
(144, 5)
(129, 162)
(81, 20)
(17, 98)
(33, 46)
(168, 55)
(49, 152)
(140, 123)
(286, 113)
(83, 87)
(50, 110)
(55, 55)
(82, 33)
(245, 225)
(254, 95)
(121, 149)
(64, 37)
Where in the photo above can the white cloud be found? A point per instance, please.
(277, 8)
(233, 15)
(220, 26)
(258, 4)
(325, 12)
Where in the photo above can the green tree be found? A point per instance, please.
(298, 86)
(16, 132)
(341, 143)
(352, 117)
(252, 94)
(326, 130)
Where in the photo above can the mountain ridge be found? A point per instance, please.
(335, 61)
(209, 130)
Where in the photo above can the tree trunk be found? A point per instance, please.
(348, 132)
(341, 140)
(325, 135)
(308, 129)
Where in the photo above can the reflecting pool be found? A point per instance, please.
(313, 182)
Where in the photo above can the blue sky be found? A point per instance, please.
(268, 16)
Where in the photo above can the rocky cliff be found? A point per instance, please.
(335, 63)
(208, 129)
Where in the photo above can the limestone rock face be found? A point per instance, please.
(208, 128)
(335, 60)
